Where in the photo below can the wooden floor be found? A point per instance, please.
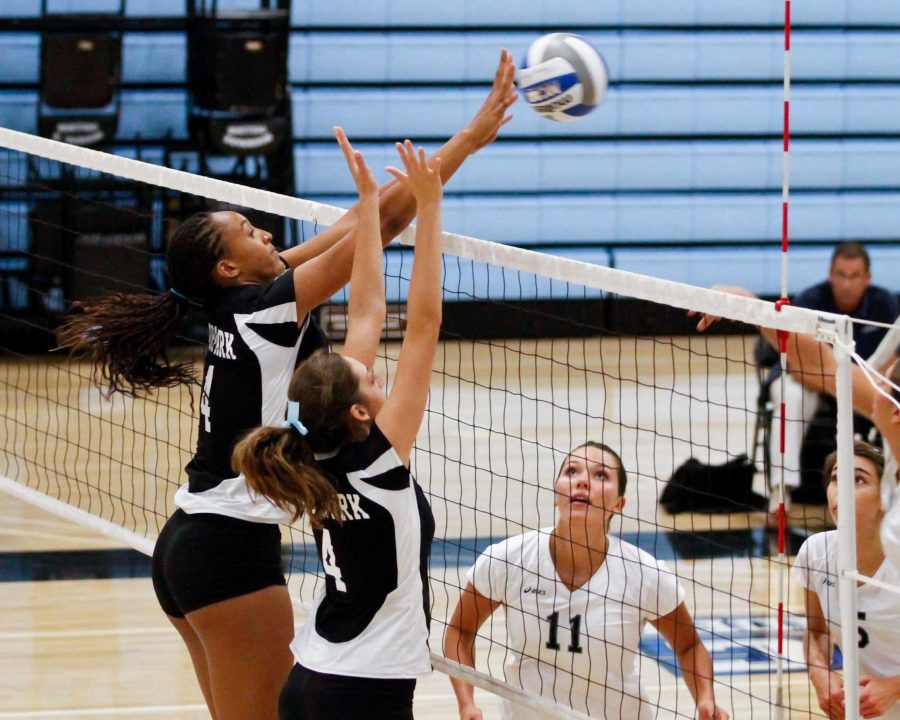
(102, 648)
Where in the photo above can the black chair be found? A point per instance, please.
(80, 76)
(819, 439)
(239, 109)
(239, 102)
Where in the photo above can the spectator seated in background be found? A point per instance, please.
(847, 291)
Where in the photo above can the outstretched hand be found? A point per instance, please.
(708, 320)
(362, 174)
(423, 179)
(491, 116)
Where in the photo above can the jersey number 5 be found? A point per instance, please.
(863, 635)
(329, 562)
(574, 622)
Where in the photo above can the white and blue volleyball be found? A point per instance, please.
(563, 77)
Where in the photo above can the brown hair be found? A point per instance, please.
(851, 250)
(127, 335)
(279, 463)
(620, 471)
(860, 449)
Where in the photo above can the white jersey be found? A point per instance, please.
(578, 648)
(371, 619)
(879, 610)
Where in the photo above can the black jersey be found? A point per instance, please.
(372, 618)
(255, 343)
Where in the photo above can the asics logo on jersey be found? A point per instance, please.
(350, 509)
(829, 583)
(534, 590)
(221, 343)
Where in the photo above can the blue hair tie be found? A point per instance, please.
(293, 418)
(178, 296)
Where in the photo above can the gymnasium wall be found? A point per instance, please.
(677, 174)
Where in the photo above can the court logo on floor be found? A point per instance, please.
(739, 646)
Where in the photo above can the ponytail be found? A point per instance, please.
(127, 335)
(279, 464)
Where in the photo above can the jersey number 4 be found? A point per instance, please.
(329, 562)
(574, 624)
(204, 398)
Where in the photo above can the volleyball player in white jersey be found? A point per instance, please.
(816, 570)
(217, 564)
(343, 459)
(576, 601)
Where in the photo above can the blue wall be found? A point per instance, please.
(683, 155)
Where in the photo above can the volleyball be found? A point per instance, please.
(563, 77)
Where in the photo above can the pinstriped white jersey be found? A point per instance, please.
(578, 648)
(878, 611)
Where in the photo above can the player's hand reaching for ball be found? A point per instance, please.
(423, 179)
(491, 116)
(356, 163)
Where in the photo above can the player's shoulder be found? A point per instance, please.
(526, 544)
(817, 548)
(253, 298)
(631, 554)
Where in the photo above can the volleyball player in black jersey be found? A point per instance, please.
(216, 566)
(343, 459)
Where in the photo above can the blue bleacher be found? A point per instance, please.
(631, 166)
(635, 111)
(428, 57)
(563, 14)
(683, 155)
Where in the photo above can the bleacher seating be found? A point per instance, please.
(678, 174)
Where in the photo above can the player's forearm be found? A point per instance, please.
(696, 665)
(816, 647)
(398, 205)
(424, 306)
(366, 280)
(465, 693)
(324, 241)
(460, 648)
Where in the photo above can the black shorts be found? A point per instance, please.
(202, 559)
(309, 695)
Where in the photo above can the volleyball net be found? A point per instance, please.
(540, 353)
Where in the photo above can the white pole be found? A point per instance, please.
(846, 518)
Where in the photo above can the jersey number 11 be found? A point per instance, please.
(574, 622)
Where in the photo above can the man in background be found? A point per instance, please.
(847, 291)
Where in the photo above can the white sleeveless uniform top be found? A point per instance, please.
(879, 610)
(371, 619)
(578, 648)
(255, 343)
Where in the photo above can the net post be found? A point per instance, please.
(846, 530)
